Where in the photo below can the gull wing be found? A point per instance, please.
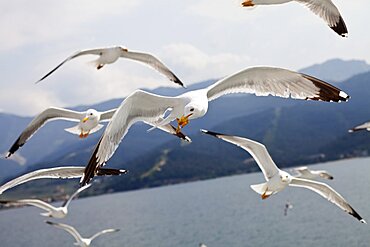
(153, 62)
(57, 172)
(107, 115)
(139, 106)
(49, 114)
(66, 203)
(70, 229)
(329, 12)
(364, 126)
(328, 193)
(33, 202)
(264, 81)
(77, 54)
(256, 149)
(104, 232)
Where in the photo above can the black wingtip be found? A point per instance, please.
(356, 215)
(92, 167)
(110, 172)
(49, 222)
(181, 135)
(340, 28)
(327, 92)
(178, 81)
(215, 134)
(14, 148)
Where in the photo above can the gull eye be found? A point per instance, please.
(91, 114)
(192, 109)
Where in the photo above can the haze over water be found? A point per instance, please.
(221, 212)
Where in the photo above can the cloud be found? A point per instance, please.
(197, 65)
(231, 11)
(25, 22)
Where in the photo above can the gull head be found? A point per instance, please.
(91, 116)
(194, 111)
(285, 177)
(122, 49)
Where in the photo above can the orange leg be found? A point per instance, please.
(248, 3)
(81, 135)
(264, 196)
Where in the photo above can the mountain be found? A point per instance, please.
(292, 129)
(337, 70)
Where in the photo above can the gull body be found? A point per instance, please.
(110, 55)
(323, 8)
(88, 123)
(277, 180)
(144, 106)
(51, 211)
(65, 172)
(304, 172)
(80, 241)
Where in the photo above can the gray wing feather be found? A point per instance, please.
(327, 192)
(264, 81)
(56, 172)
(49, 114)
(153, 62)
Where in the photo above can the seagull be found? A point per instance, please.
(202, 245)
(277, 180)
(364, 126)
(80, 241)
(288, 206)
(56, 172)
(144, 106)
(323, 8)
(112, 54)
(89, 122)
(55, 212)
(304, 172)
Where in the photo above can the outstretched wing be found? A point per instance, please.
(256, 149)
(264, 81)
(77, 54)
(49, 114)
(66, 203)
(107, 115)
(139, 106)
(56, 172)
(329, 12)
(153, 62)
(104, 232)
(364, 126)
(327, 192)
(71, 230)
(33, 202)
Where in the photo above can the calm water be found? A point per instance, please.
(220, 212)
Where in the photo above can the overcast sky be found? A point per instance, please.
(197, 39)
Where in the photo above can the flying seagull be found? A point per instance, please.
(144, 106)
(364, 126)
(304, 172)
(277, 180)
(89, 122)
(112, 54)
(323, 8)
(287, 206)
(55, 212)
(57, 172)
(80, 241)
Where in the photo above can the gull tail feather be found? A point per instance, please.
(259, 188)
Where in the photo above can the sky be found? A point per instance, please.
(197, 39)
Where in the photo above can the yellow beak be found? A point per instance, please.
(85, 119)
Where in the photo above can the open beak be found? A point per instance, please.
(85, 119)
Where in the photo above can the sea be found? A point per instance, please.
(222, 212)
